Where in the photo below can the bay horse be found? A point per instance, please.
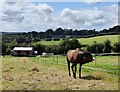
(75, 57)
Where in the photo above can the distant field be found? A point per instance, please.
(38, 73)
(100, 39)
(49, 42)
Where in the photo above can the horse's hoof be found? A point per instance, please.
(80, 77)
(74, 77)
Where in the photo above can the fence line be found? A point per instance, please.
(105, 54)
(65, 64)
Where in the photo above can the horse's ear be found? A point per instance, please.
(77, 49)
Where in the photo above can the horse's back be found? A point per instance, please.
(72, 55)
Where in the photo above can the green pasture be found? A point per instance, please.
(108, 64)
(99, 39)
(49, 42)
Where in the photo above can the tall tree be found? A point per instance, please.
(108, 46)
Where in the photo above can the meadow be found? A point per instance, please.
(89, 41)
(40, 73)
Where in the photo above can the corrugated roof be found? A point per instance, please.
(23, 48)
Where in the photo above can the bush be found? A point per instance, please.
(56, 39)
(48, 39)
(116, 47)
(55, 49)
(108, 46)
(96, 48)
(100, 48)
(68, 44)
(39, 47)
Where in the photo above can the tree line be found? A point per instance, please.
(34, 36)
(66, 45)
(11, 40)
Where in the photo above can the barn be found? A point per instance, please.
(22, 51)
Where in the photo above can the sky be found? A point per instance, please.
(39, 15)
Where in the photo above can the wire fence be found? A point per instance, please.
(61, 60)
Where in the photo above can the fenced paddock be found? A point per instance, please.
(107, 62)
(50, 73)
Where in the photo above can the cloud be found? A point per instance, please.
(45, 8)
(107, 16)
(13, 18)
(93, 1)
(84, 17)
(40, 17)
(13, 12)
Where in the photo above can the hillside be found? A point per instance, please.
(100, 39)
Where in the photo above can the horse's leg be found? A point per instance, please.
(73, 70)
(69, 68)
(80, 70)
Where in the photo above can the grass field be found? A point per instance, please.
(49, 42)
(100, 39)
(108, 64)
(39, 73)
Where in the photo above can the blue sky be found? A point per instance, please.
(76, 5)
(40, 16)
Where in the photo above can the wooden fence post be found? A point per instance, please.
(57, 59)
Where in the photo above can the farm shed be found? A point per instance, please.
(22, 51)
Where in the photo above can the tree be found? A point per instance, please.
(96, 47)
(3, 49)
(68, 44)
(116, 47)
(92, 48)
(58, 31)
(100, 48)
(48, 49)
(68, 31)
(49, 32)
(39, 47)
(20, 39)
(108, 46)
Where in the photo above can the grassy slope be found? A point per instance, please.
(49, 42)
(31, 73)
(100, 39)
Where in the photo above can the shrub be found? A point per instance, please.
(68, 44)
(116, 47)
(48, 39)
(108, 46)
(39, 47)
(56, 39)
(96, 48)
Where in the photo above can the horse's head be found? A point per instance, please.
(87, 56)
